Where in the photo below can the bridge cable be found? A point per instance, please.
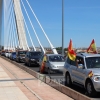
(52, 47)
(28, 33)
(6, 24)
(5, 21)
(11, 40)
(9, 26)
(33, 27)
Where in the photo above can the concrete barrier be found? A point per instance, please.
(66, 90)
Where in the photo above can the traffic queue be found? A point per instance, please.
(77, 68)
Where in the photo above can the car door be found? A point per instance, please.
(47, 63)
(73, 69)
(80, 73)
(26, 57)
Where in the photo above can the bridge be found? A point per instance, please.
(16, 28)
(17, 33)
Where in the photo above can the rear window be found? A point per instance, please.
(35, 53)
(22, 52)
(14, 53)
(56, 58)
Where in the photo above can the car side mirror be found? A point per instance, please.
(81, 66)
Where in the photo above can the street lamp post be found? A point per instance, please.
(63, 27)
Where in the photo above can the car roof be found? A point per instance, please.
(53, 54)
(88, 55)
(34, 51)
(21, 50)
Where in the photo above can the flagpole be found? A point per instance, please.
(63, 27)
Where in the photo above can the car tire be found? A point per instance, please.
(25, 63)
(18, 60)
(68, 81)
(29, 64)
(90, 89)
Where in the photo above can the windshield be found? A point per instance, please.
(93, 62)
(35, 54)
(14, 53)
(22, 52)
(56, 58)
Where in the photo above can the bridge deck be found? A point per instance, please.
(16, 84)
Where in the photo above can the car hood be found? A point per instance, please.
(96, 71)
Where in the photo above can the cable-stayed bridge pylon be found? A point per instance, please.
(21, 26)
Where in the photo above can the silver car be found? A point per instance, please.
(55, 62)
(84, 71)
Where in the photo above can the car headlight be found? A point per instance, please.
(96, 78)
(53, 66)
(32, 59)
(20, 57)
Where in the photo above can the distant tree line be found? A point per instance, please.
(60, 48)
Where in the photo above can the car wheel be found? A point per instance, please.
(25, 63)
(18, 60)
(68, 81)
(39, 68)
(29, 64)
(90, 89)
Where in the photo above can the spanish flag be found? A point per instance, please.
(43, 64)
(92, 48)
(45, 58)
(71, 52)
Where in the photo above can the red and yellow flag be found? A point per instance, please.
(71, 52)
(92, 47)
(43, 64)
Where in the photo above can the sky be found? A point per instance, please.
(81, 22)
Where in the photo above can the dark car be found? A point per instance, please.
(32, 58)
(20, 55)
(13, 56)
(2, 53)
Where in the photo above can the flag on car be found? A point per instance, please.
(71, 52)
(43, 64)
(92, 47)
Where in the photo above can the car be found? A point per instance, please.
(9, 54)
(20, 55)
(84, 71)
(55, 62)
(2, 53)
(13, 56)
(32, 58)
(6, 54)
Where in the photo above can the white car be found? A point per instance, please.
(55, 62)
(6, 54)
(84, 71)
